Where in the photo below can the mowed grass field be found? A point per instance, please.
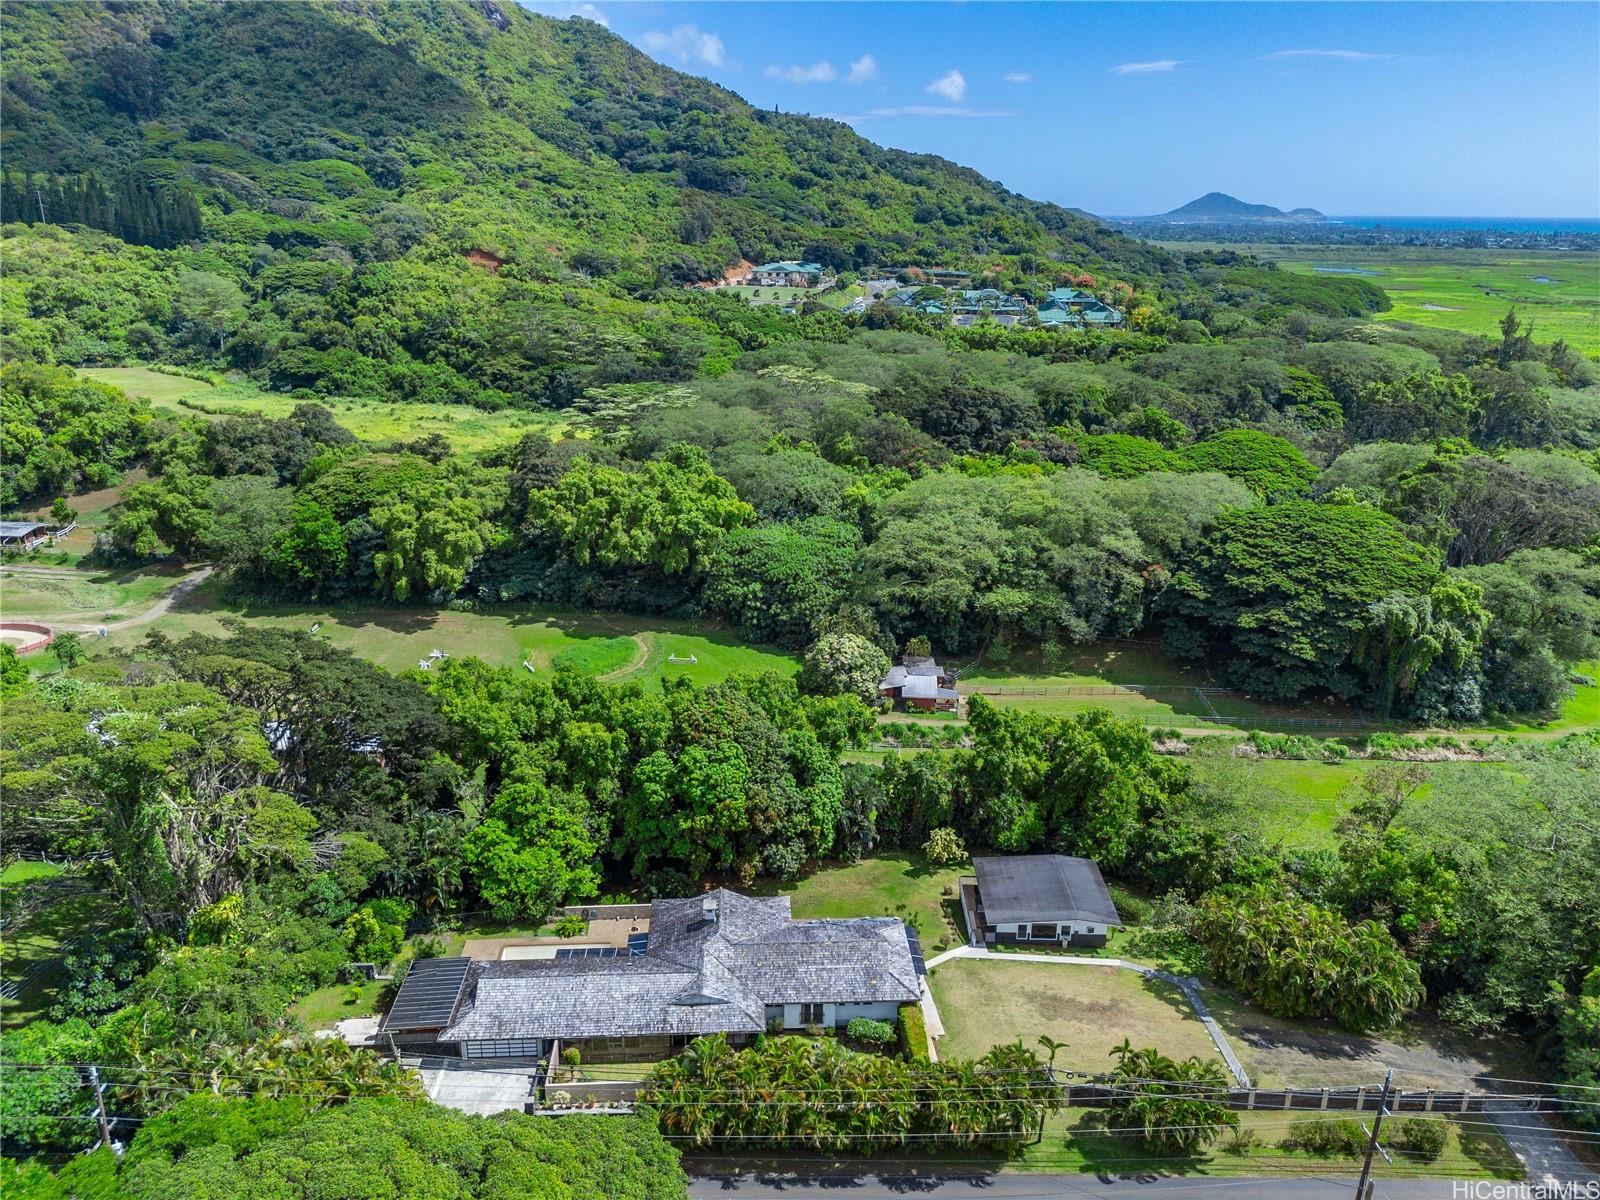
(986, 1003)
(82, 596)
(616, 647)
(465, 428)
(1470, 290)
(1024, 681)
(897, 884)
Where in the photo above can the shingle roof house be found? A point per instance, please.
(1044, 898)
(718, 963)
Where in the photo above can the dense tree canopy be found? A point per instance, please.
(1288, 587)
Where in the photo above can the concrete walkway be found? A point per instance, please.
(933, 1023)
(1188, 986)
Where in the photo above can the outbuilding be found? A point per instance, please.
(1041, 898)
(22, 535)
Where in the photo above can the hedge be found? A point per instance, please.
(913, 1033)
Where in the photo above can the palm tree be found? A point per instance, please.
(1053, 1046)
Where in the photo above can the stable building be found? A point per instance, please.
(23, 535)
(917, 682)
(1028, 899)
(719, 963)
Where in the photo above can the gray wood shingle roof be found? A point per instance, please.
(699, 974)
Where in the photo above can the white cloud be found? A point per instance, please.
(1018, 77)
(562, 9)
(686, 43)
(863, 69)
(959, 111)
(1348, 55)
(821, 72)
(952, 86)
(1147, 68)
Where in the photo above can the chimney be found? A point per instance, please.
(708, 908)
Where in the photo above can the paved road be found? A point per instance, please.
(775, 1186)
(1533, 1141)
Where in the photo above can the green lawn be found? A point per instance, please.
(83, 596)
(466, 428)
(325, 1007)
(1292, 801)
(25, 871)
(1126, 665)
(899, 884)
(621, 647)
(986, 1003)
(769, 295)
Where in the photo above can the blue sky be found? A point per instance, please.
(1476, 109)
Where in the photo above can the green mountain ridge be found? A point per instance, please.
(519, 134)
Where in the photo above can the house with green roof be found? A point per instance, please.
(1072, 307)
(787, 273)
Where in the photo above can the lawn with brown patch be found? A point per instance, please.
(984, 1003)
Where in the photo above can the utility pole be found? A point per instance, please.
(100, 1106)
(1364, 1187)
(38, 194)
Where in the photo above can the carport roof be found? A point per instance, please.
(427, 997)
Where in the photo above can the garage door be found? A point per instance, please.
(512, 1048)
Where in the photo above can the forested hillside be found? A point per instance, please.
(315, 206)
(348, 157)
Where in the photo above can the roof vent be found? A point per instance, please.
(708, 908)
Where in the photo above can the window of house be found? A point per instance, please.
(1044, 933)
(811, 1014)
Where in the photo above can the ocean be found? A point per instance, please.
(1507, 224)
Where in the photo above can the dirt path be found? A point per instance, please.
(632, 666)
(156, 611)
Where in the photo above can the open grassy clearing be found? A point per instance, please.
(326, 1007)
(898, 884)
(1291, 801)
(39, 940)
(1092, 1009)
(1468, 290)
(398, 639)
(93, 510)
(466, 428)
(1128, 664)
(1074, 1141)
(82, 595)
(25, 871)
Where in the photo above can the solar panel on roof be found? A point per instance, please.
(914, 944)
(638, 943)
(428, 996)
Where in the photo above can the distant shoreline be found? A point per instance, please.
(1541, 225)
